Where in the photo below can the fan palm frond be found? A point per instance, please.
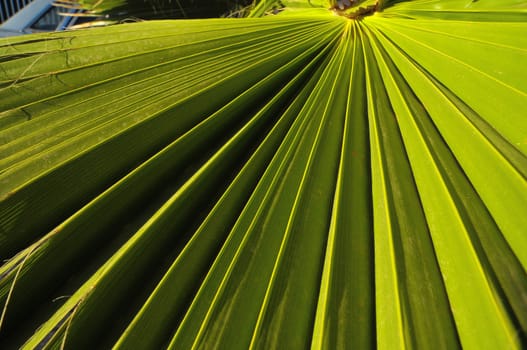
(304, 179)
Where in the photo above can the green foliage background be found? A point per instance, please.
(285, 181)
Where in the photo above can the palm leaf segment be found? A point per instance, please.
(130, 10)
(289, 181)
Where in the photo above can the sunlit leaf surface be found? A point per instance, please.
(292, 181)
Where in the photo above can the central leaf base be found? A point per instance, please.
(355, 8)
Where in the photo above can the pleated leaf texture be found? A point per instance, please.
(299, 180)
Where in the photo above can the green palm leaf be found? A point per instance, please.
(289, 181)
(132, 10)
